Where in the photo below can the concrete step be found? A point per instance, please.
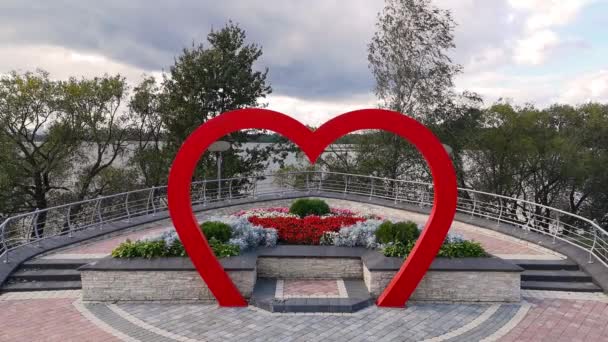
(41, 286)
(55, 263)
(555, 275)
(358, 298)
(46, 275)
(546, 265)
(560, 286)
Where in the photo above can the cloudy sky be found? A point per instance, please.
(540, 51)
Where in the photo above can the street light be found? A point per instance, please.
(219, 147)
(448, 149)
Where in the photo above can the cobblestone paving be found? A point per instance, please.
(543, 316)
(209, 323)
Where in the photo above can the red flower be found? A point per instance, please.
(306, 230)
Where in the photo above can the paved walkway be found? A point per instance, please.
(495, 243)
(541, 316)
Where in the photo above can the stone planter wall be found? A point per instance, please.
(309, 268)
(176, 280)
(159, 280)
(484, 283)
(156, 286)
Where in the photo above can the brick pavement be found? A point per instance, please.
(50, 320)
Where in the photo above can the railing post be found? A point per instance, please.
(320, 183)
(230, 191)
(151, 196)
(204, 192)
(345, 186)
(556, 230)
(499, 213)
(396, 190)
(3, 236)
(98, 205)
(594, 243)
(474, 204)
(127, 207)
(35, 226)
(69, 220)
(307, 182)
(371, 191)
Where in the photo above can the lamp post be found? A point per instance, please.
(219, 147)
(448, 149)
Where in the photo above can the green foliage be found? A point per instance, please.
(309, 206)
(140, 249)
(222, 250)
(464, 249)
(216, 230)
(398, 249)
(159, 249)
(403, 232)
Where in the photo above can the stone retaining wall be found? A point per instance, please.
(456, 286)
(156, 286)
(308, 268)
(176, 280)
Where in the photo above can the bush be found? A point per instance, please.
(398, 249)
(167, 247)
(216, 230)
(309, 206)
(246, 235)
(403, 232)
(222, 250)
(361, 234)
(463, 249)
(140, 249)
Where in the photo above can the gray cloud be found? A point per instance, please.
(315, 50)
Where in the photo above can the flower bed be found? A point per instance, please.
(249, 229)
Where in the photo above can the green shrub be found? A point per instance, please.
(176, 249)
(403, 232)
(159, 249)
(140, 249)
(398, 249)
(309, 206)
(222, 250)
(464, 249)
(216, 230)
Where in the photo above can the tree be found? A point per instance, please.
(12, 199)
(95, 105)
(39, 141)
(408, 56)
(207, 81)
(151, 157)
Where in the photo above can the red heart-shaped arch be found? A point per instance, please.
(312, 144)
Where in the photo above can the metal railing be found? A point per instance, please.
(31, 228)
